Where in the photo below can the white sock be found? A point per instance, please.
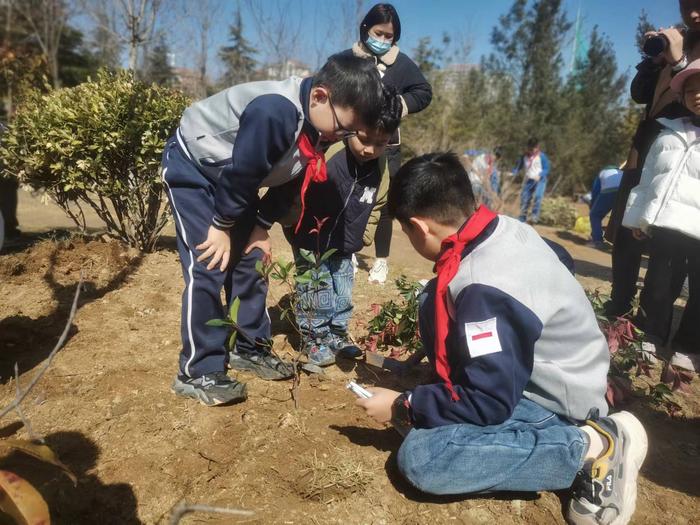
(597, 443)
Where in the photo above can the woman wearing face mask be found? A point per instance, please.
(380, 31)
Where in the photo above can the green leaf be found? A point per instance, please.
(328, 254)
(217, 322)
(232, 340)
(233, 312)
(304, 278)
(308, 256)
(259, 267)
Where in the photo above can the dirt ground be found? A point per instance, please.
(105, 405)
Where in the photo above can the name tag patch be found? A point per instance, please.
(482, 337)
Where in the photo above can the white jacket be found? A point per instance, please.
(668, 195)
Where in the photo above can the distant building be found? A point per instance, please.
(188, 81)
(280, 71)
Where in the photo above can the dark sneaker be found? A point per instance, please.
(319, 353)
(605, 491)
(613, 310)
(211, 389)
(341, 345)
(261, 362)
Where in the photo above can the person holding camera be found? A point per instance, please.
(666, 52)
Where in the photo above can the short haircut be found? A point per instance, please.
(433, 186)
(381, 14)
(354, 83)
(533, 142)
(390, 116)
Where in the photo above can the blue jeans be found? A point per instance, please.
(328, 307)
(532, 189)
(534, 450)
(600, 207)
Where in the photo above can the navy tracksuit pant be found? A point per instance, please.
(191, 196)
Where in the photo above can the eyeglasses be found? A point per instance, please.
(340, 131)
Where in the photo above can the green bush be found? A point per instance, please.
(99, 145)
(559, 212)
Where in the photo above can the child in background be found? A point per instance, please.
(665, 206)
(520, 405)
(254, 135)
(535, 167)
(358, 177)
(603, 195)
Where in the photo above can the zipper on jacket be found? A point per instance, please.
(673, 175)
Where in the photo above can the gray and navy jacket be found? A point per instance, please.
(520, 326)
(346, 199)
(244, 138)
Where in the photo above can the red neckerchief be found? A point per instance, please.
(446, 268)
(531, 158)
(315, 170)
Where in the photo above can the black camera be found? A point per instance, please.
(655, 45)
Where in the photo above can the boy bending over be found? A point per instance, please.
(520, 405)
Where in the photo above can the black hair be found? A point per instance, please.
(392, 108)
(433, 186)
(381, 14)
(533, 142)
(354, 83)
(498, 152)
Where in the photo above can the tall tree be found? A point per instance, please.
(158, 64)
(528, 44)
(427, 56)
(131, 22)
(643, 27)
(593, 95)
(237, 57)
(46, 19)
(106, 45)
(278, 36)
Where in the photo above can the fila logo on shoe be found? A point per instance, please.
(368, 195)
(482, 337)
(608, 484)
(207, 382)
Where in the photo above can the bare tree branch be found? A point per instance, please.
(279, 37)
(19, 410)
(21, 395)
(47, 20)
(138, 20)
(182, 508)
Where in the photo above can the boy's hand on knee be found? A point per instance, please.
(378, 407)
(260, 239)
(217, 246)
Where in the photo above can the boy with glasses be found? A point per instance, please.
(227, 147)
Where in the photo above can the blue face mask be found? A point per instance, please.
(378, 47)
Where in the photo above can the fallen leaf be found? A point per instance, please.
(38, 451)
(21, 501)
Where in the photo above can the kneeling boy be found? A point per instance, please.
(522, 362)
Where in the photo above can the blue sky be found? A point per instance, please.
(471, 20)
(616, 18)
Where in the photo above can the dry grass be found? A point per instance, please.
(332, 479)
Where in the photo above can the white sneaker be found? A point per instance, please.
(379, 271)
(355, 265)
(690, 362)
